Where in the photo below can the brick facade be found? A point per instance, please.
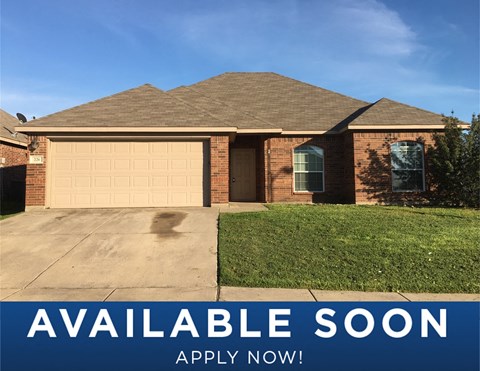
(219, 170)
(372, 167)
(36, 177)
(14, 155)
(279, 177)
(356, 168)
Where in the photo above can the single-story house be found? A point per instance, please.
(257, 137)
(13, 161)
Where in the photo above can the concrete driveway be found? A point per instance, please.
(109, 254)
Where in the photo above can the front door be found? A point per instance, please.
(242, 174)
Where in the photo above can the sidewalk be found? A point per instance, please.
(261, 294)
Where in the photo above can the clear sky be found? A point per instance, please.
(58, 53)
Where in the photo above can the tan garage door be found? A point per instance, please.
(127, 174)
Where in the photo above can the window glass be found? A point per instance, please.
(407, 167)
(308, 169)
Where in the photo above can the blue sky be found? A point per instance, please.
(56, 54)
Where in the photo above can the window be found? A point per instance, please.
(308, 169)
(407, 167)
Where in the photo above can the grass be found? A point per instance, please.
(348, 247)
(5, 216)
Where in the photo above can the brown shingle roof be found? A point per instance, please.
(283, 102)
(220, 110)
(145, 106)
(7, 128)
(260, 100)
(389, 112)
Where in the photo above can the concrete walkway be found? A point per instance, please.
(241, 207)
(224, 294)
(264, 294)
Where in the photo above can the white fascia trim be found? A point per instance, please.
(116, 129)
(400, 127)
(259, 131)
(129, 138)
(307, 132)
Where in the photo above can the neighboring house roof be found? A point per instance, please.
(144, 106)
(283, 102)
(239, 102)
(7, 129)
(386, 112)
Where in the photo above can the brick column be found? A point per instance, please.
(36, 177)
(219, 170)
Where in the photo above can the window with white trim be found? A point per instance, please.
(407, 167)
(308, 169)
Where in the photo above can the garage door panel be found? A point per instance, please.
(178, 148)
(62, 199)
(82, 199)
(82, 182)
(102, 165)
(83, 148)
(64, 148)
(63, 182)
(121, 164)
(102, 148)
(102, 182)
(141, 164)
(141, 181)
(62, 165)
(160, 181)
(121, 182)
(127, 174)
(141, 148)
(141, 199)
(82, 165)
(159, 147)
(121, 148)
(101, 199)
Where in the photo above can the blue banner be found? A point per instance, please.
(256, 336)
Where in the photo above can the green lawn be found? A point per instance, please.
(5, 216)
(348, 247)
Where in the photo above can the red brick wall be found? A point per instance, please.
(348, 168)
(279, 178)
(36, 177)
(14, 155)
(219, 170)
(372, 166)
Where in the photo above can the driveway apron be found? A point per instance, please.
(114, 254)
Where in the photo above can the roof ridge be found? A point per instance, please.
(229, 106)
(320, 88)
(99, 99)
(408, 105)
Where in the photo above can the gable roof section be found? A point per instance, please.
(7, 130)
(388, 113)
(144, 106)
(220, 110)
(283, 102)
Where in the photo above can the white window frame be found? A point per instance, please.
(307, 172)
(422, 169)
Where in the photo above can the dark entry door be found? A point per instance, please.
(242, 174)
